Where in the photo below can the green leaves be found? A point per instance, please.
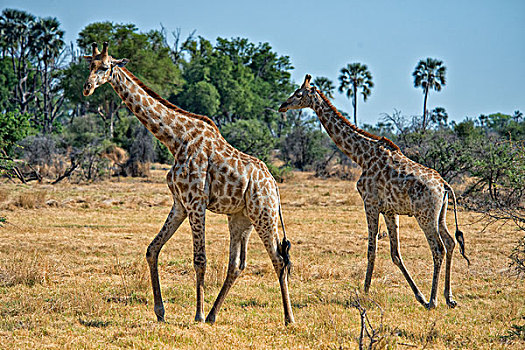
(13, 128)
(430, 74)
(250, 136)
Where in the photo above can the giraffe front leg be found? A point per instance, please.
(240, 229)
(372, 218)
(174, 220)
(196, 217)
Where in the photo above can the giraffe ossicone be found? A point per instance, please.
(208, 174)
(390, 184)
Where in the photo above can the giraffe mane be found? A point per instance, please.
(165, 102)
(381, 139)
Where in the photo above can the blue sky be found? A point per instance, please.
(482, 43)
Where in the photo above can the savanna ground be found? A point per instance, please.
(73, 274)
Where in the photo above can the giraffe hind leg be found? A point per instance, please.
(196, 217)
(392, 223)
(430, 228)
(240, 228)
(449, 243)
(266, 225)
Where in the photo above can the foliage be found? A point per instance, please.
(280, 174)
(325, 85)
(251, 137)
(304, 144)
(250, 80)
(355, 77)
(13, 128)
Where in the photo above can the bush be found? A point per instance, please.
(251, 137)
(304, 145)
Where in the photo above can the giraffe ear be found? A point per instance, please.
(121, 62)
(88, 58)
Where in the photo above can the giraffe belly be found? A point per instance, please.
(226, 198)
(395, 202)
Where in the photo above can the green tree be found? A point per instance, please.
(355, 77)
(250, 79)
(250, 136)
(13, 128)
(439, 116)
(7, 85)
(201, 97)
(325, 85)
(429, 74)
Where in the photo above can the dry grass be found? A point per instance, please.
(73, 275)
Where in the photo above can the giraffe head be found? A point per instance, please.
(302, 97)
(100, 68)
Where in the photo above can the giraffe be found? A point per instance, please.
(208, 174)
(391, 184)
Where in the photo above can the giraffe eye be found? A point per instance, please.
(299, 94)
(103, 68)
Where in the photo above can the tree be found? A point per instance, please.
(439, 116)
(47, 49)
(16, 30)
(251, 80)
(250, 136)
(355, 77)
(325, 85)
(429, 74)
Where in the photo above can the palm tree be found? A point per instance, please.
(325, 85)
(429, 74)
(47, 47)
(353, 77)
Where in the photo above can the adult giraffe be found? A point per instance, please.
(390, 184)
(208, 173)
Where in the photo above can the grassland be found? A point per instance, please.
(73, 275)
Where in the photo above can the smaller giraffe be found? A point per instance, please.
(390, 184)
(208, 174)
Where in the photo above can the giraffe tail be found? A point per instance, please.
(459, 235)
(284, 249)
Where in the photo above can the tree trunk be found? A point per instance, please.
(354, 103)
(424, 126)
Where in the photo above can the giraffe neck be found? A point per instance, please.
(354, 142)
(170, 124)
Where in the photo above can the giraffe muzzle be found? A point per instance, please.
(284, 107)
(88, 89)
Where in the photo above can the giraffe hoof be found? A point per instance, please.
(451, 303)
(159, 312)
(430, 306)
(210, 319)
(199, 318)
